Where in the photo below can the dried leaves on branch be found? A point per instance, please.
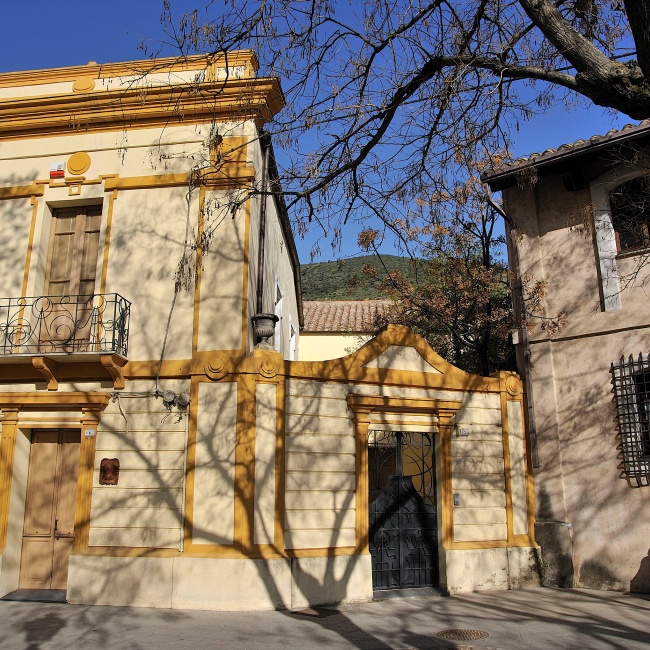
(391, 102)
(460, 299)
(382, 93)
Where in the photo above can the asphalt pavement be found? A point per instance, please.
(530, 618)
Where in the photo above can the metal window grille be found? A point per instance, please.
(631, 387)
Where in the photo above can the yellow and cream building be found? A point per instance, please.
(152, 452)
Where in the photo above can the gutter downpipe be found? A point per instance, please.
(265, 142)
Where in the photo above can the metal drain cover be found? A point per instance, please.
(462, 635)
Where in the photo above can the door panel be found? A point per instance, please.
(36, 563)
(49, 508)
(60, 557)
(66, 496)
(67, 482)
(40, 483)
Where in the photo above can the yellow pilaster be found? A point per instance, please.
(245, 463)
(362, 515)
(446, 525)
(89, 422)
(7, 447)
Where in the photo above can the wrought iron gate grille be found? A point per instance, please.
(402, 496)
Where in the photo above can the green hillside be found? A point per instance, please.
(345, 280)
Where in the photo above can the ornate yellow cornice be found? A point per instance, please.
(234, 100)
(208, 62)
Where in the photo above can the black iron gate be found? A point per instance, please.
(402, 505)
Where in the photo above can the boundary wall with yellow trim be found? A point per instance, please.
(259, 498)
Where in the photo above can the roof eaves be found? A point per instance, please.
(500, 176)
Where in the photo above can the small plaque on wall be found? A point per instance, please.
(109, 471)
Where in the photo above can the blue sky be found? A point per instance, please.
(47, 34)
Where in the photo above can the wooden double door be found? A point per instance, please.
(49, 508)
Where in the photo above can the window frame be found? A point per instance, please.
(620, 221)
(604, 233)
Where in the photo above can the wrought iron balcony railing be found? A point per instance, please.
(64, 324)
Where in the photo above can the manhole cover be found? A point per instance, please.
(462, 635)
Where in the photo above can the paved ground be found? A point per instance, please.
(533, 618)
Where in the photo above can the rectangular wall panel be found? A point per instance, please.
(214, 475)
(517, 468)
(265, 437)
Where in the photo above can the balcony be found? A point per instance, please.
(51, 331)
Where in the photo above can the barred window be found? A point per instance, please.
(631, 382)
(630, 203)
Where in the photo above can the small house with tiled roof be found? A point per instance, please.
(334, 328)
(579, 223)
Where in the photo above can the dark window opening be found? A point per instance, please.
(642, 382)
(631, 382)
(630, 203)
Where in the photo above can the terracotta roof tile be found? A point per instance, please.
(341, 315)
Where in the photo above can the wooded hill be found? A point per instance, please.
(345, 279)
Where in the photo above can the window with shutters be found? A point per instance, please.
(69, 316)
(74, 244)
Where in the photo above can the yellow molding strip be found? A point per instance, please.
(107, 241)
(362, 516)
(215, 551)
(507, 469)
(7, 448)
(39, 421)
(144, 182)
(190, 465)
(30, 248)
(170, 369)
(21, 192)
(446, 525)
(280, 465)
(127, 551)
(520, 541)
(226, 176)
(10, 401)
(530, 479)
(229, 552)
(335, 551)
(245, 462)
(83, 501)
(401, 404)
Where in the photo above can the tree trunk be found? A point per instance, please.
(638, 14)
